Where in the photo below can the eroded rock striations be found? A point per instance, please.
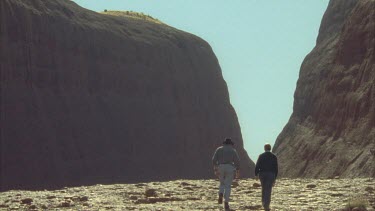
(332, 129)
(93, 98)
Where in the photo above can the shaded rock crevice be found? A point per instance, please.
(334, 100)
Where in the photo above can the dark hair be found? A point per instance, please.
(267, 147)
(228, 141)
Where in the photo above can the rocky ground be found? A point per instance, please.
(288, 194)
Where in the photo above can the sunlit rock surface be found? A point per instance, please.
(332, 129)
(288, 195)
(92, 98)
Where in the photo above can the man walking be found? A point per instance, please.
(266, 169)
(226, 161)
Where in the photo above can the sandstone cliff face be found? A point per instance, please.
(332, 129)
(91, 98)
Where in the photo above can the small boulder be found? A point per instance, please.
(150, 193)
(369, 189)
(188, 188)
(133, 197)
(358, 209)
(256, 185)
(27, 201)
(311, 186)
(185, 184)
(65, 204)
(33, 207)
(83, 198)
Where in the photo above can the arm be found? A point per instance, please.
(215, 158)
(236, 160)
(257, 166)
(276, 167)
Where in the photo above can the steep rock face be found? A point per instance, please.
(91, 98)
(332, 129)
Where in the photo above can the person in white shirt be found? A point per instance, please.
(226, 165)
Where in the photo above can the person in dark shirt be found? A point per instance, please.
(266, 170)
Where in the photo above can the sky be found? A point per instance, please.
(260, 45)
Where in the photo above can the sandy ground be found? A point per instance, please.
(288, 194)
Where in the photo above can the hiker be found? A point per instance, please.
(266, 170)
(226, 163)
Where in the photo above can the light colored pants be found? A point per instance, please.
(226, 174)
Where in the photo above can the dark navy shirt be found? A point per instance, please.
(267, 162)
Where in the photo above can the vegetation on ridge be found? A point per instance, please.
(131, 14)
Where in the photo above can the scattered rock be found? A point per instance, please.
(84, 198)
(27, 201)
(188, 188)
(252, 207)
(152, 200)
(133, 197)
(336, 194)
(185, 184)
(65, 204)
(310, 186)
(33, 207)
(256, 185)
(141, 201)
(358, 209)
(150, 193)
(369, 189)
(192, 198)
(235, 184)
(289, 194)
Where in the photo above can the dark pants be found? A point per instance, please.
(266, 179)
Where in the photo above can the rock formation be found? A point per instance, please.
(94, 98)
(332, 129)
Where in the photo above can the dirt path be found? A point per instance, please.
(288, 194)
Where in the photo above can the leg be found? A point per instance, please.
(263, 184)
(221, 179)
(229, 174)
(268, 181)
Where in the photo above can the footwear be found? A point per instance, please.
(226, 205)
(220, 201)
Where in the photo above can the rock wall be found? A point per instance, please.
(332, 129)
(92, 98)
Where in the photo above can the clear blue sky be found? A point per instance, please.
(260, 45)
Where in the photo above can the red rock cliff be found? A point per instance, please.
(332, 129)
(91, 98)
